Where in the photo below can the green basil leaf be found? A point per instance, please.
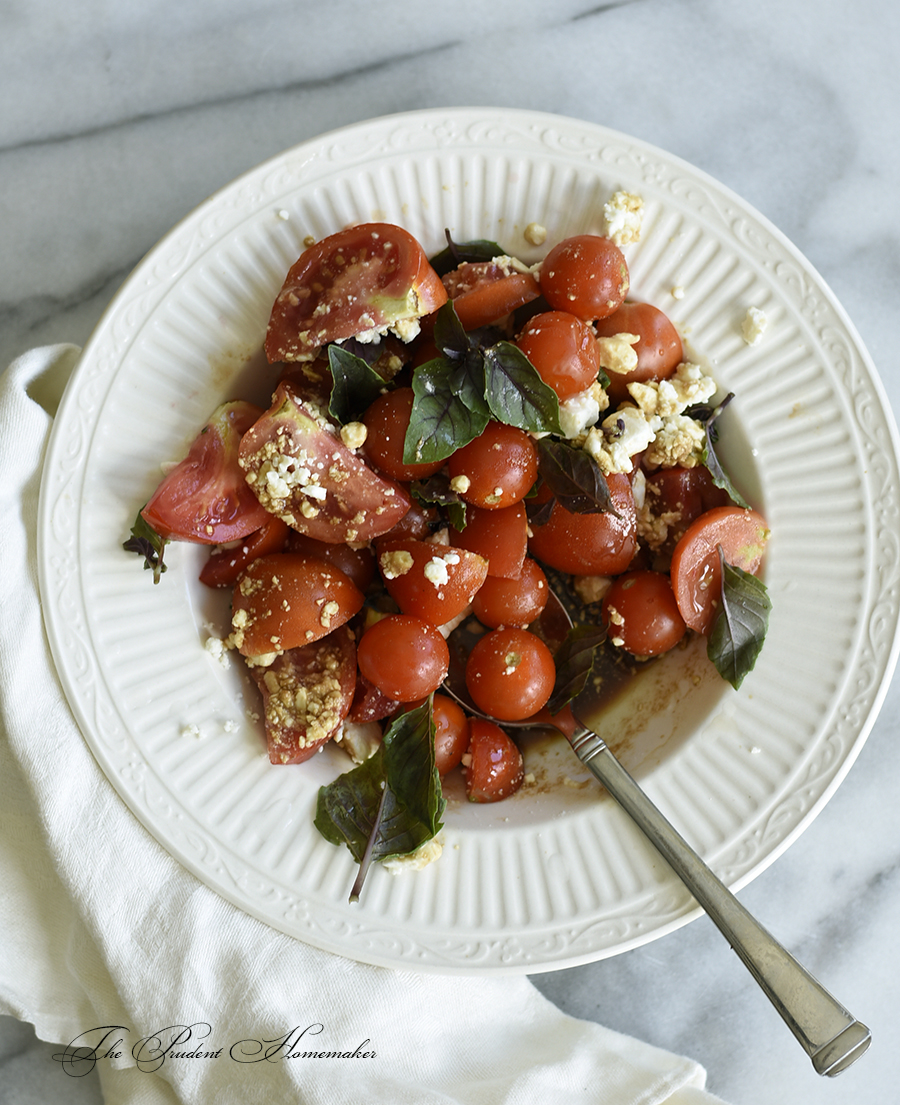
(356, 385)
(449, 335)
(449, 409)
(392, 803)
(479, 249)
(515, 392)
(709, 415)
(436, 491)
(146, 542)
(740, 624)
(574, 662)
(574, 477)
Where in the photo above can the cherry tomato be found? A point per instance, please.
(404, 656)
(387, 421)
(301, 471)
(363, 278)
(641, 613)
(358, 565)
(696, 570)
(492, 765)
(659, 348)
(586, 275)
(205, 498)
(681, 495)
(483, 292)
(563, 350)
(285, 600)
(500, 536)
(418, 522)
(451, 733)
(307, 693)
(225, 565)
(590, 544)
(434, 582)
(510, 674)
(515, 602)
(500, 466)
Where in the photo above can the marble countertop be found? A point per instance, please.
(118, 120)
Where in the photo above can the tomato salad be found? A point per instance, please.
(442, 431)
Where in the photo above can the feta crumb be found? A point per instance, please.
(678, 292)
(353, 434)
(624, 216)
(579, 412)
(427, 853)
(535, 234)
(217, 648)
(190, 731)
(283, 214)
(395, 563)
(436, 572)
(616, 354)
(359, 739)
(460, 484)
(753, 326)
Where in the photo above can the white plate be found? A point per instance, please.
(556, 876)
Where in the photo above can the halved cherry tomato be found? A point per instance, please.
(434, 582)
(586, 275)
(225, 565)
(641, 613)
(696, 569)
(285, 600)
(357, 564)
(362, 278)
(386, 422)
(590, 544)
(492, 765)
(301, 471)
(307, 692)
(659, 347)
(500, 536)
(483, 292)
(404, 656)
(499, 467)
(205, 498)
(510, 674)
(563, 350)
(515, 602)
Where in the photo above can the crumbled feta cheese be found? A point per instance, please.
(687, 385)
(359, 739)
(217, 648)
(591, 588)
(753, 326)
(436, 572)
(353, 434)
(535, 234)
(679, 441)
(614, 442)
(579, 412)
(427, 853)
(395, 563)
(460, 484)
(678, 292)
(624, 216)
(616, 354)
(190, 731)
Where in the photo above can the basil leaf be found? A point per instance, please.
(356, 385)
(708, 416)
(436, 491)
(740, 624)
(515, 392)
(391, 804)
(574, 662)
(146, 542)
(449, 335)
(449, 409)
(479, 249)
(574, 477)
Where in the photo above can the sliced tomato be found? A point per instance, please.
(484, 292)
(369, 704)
(366, 277)
(696, 568)
(492, 765)
(205, 498)
(285, 600)
(434, 582)
(301, 471)
(225, 565)
(307, 693)
(590, 544)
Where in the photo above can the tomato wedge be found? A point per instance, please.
(434, 582)
(696, 571)
(302, 472)
(224, 566)
(483, 292)
(364, 278)
(307, 693)
(205, 498)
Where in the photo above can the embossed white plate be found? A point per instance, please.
(556, 876)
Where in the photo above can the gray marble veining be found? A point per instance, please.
(117, 121)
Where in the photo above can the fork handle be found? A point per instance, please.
(830, 1036)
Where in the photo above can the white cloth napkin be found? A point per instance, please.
(101, 927)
